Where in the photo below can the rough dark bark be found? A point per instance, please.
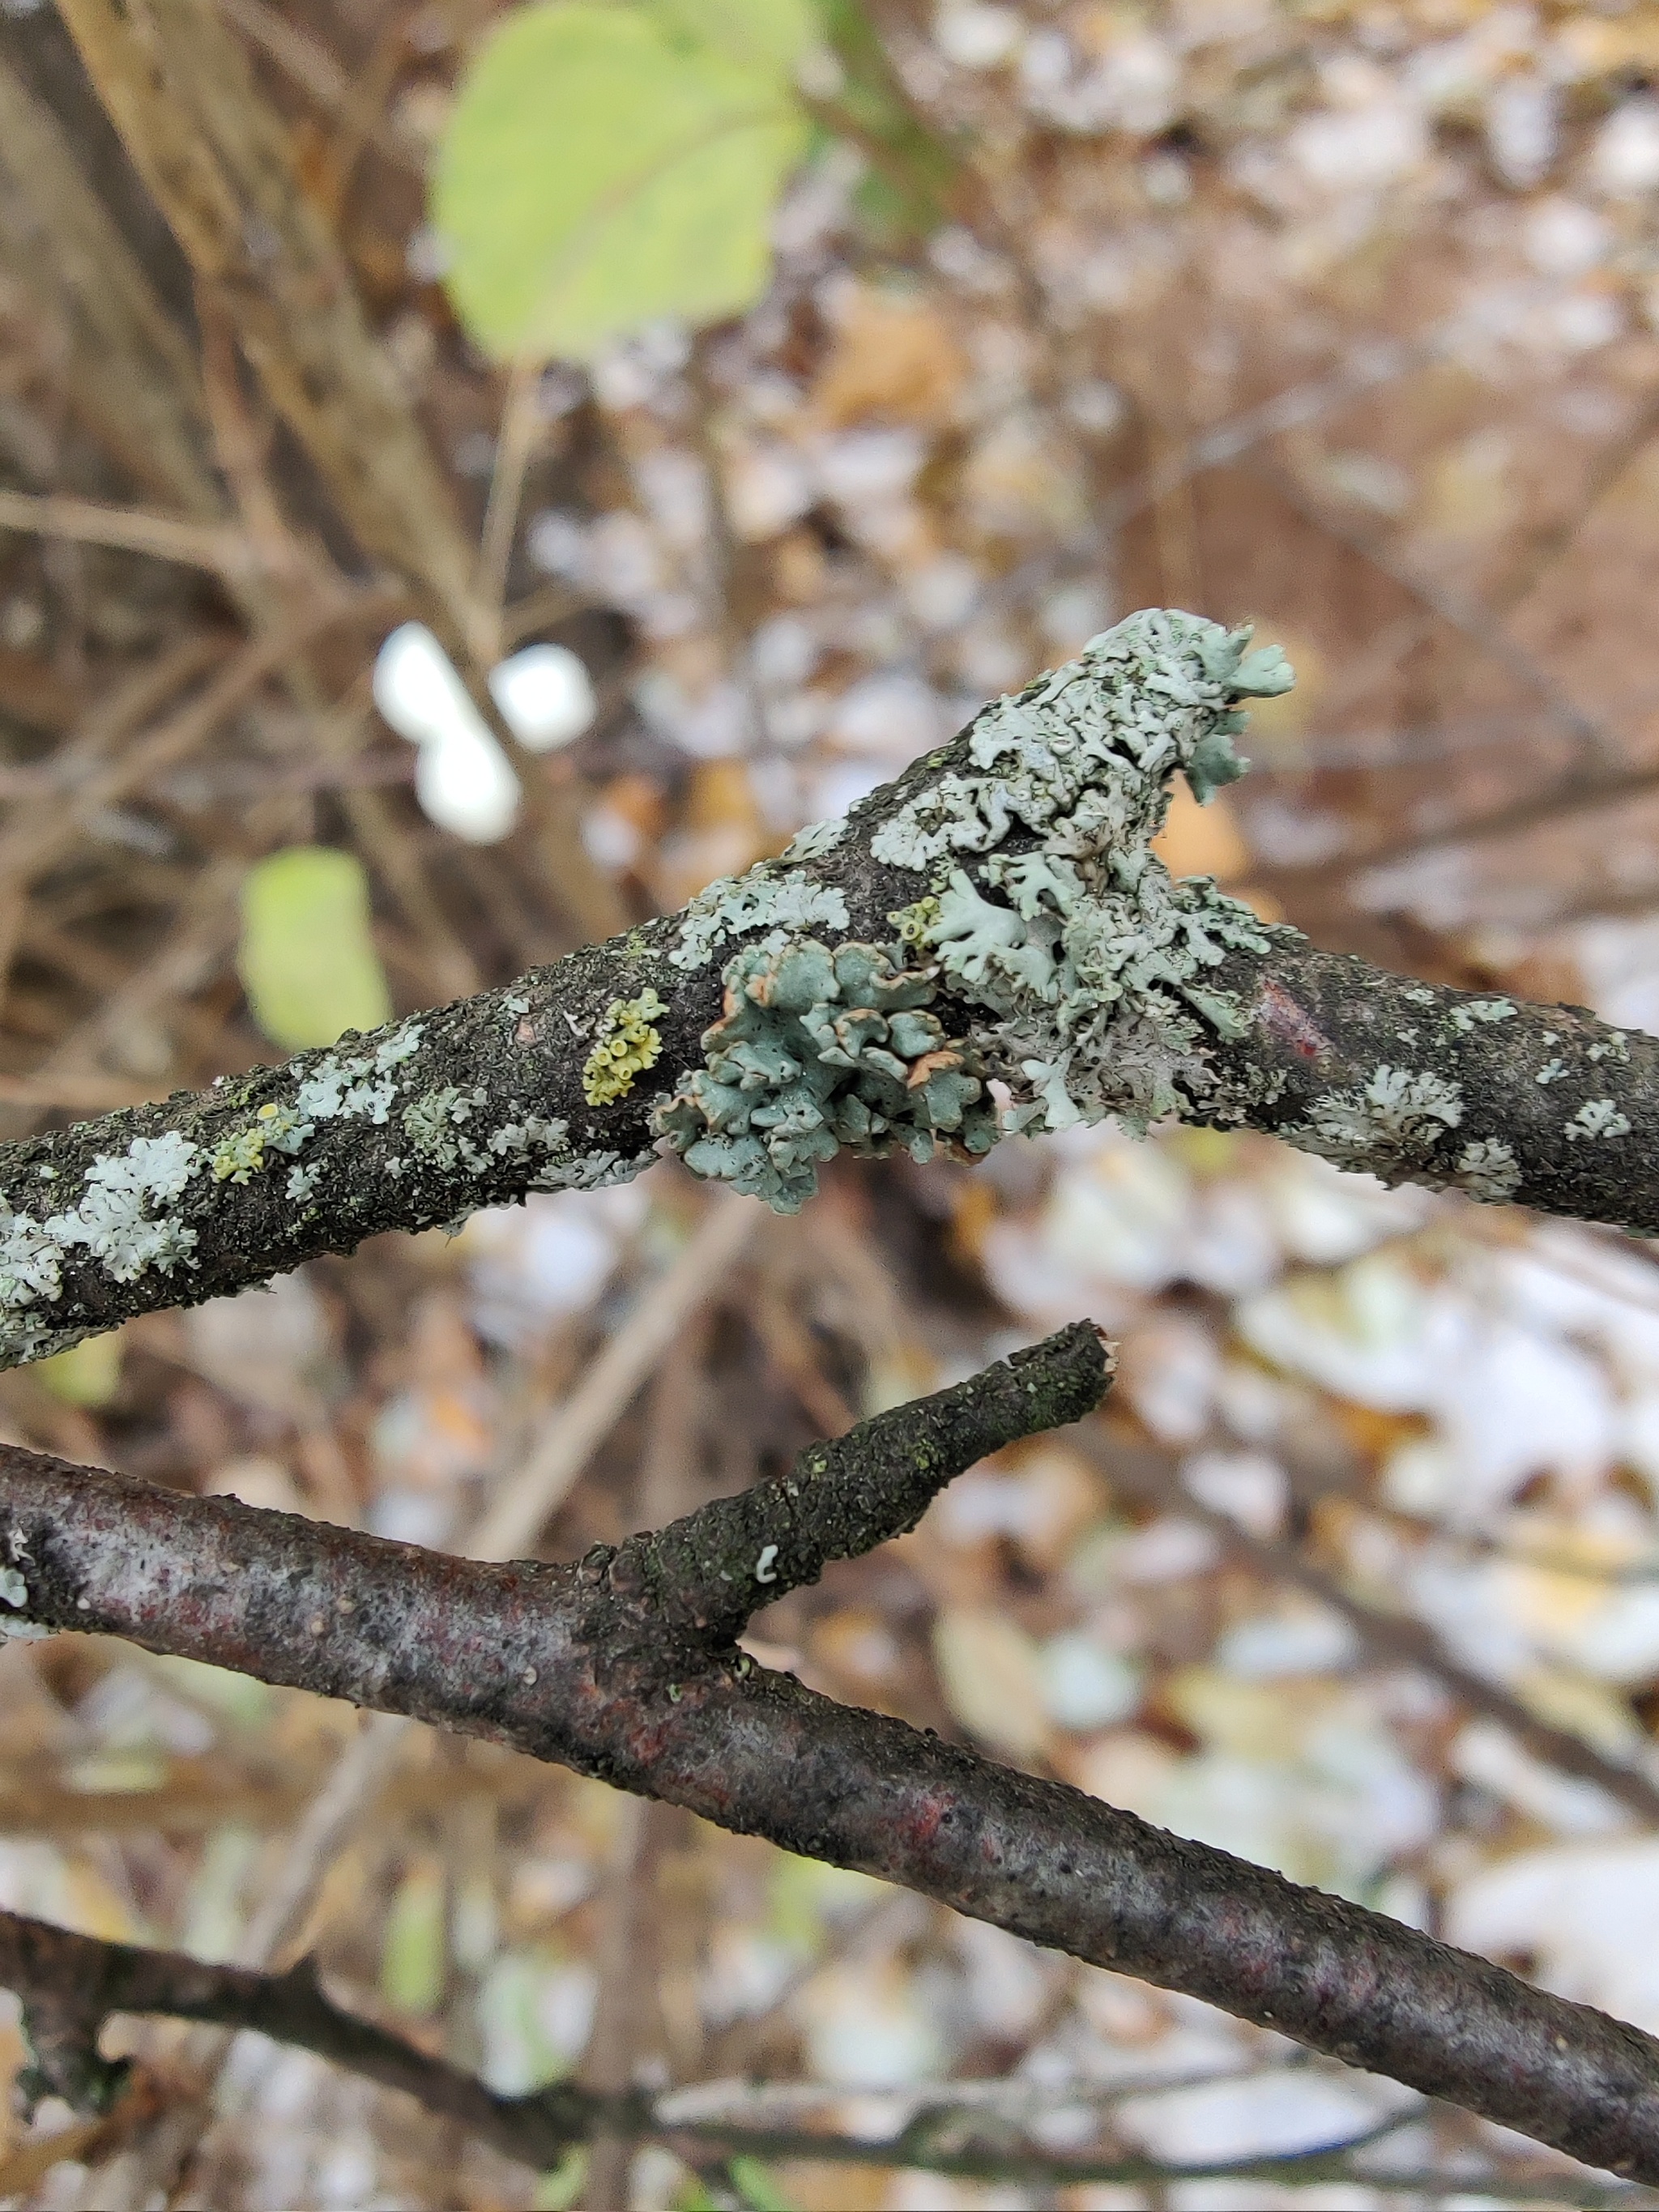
(586, 1666)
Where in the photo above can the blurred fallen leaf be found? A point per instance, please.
(992, 1676)
(87, 1374)
(306, 959)
(894, 358)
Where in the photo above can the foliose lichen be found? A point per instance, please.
(122, 1221)
(126, 1217)
(1487, 1168)
(1597, 1117)
(241, 1155)
(790, 905)
(818, 1050)
(1465, 1015)
(1092, 957)
(816, 839)
(1084, 755)
(1392, 1122)
(626, 1045)
(435, 1124)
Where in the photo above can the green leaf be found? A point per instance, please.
(87, 1374)
(413, 1954)
(755, 2186)
(760, 35)
(607, 166)
(306, 959)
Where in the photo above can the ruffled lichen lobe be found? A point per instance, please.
(822, 1049)
(1043, 915)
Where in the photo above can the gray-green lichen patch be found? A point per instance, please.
(821, 1049)
(358, 1083)
(791, 904)
(122, 1220)
(1487, 1168)
(1390, 1124)
(1042, 906)
(127, 1219)
(812, 843)
(1093, 959)
(1597, 1117)
(1084, 755)
(435, 1124)
(1468, 1011)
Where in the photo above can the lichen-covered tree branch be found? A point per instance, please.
(985, 946)
(626, 1665)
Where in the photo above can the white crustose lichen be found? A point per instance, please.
(126, 1217)
(790, 905)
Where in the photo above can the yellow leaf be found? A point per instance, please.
(87, 1374)
(306, 960)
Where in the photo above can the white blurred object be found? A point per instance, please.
(545, 695)
(463, 779)
(976, 36)
(1625, 158)
(464, 785)
(1084, 1686)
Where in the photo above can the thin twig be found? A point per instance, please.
(516, 440)
(218, 548)
(567, 1436)
(70, 1984)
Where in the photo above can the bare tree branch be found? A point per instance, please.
(70, 1984)
(993, 918)
(622, 1666)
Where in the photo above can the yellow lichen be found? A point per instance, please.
(626, 1045)
(239, 1155)
(242, 1153)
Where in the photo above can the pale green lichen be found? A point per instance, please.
(238, 1156)
(435, 1125)
(816, 839)
(1487, 1168)
(590, 1171)
(1092, 963)
(1392, 1123)
(1084, 755)
(242, 1154)
(355, 1086)
(121, 1221)
(544, 1145)
(1553, 1071)
(1091, 956)
(518, 1143)
(823, 1048)
(738, 905)
(1597, 1117)
(1470, 1010)
(1616, 1047)
(628, 1043)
